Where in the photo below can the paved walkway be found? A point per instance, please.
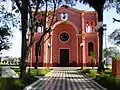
(63, 79)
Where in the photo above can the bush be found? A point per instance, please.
(28, 79)
(18, 84)
(11, 84)
(108, 81)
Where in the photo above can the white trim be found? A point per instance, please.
(83, 23)
(84, 55)
(62, 15)
(72, 24)
(77, 50)
(64, 41)
(51, 51)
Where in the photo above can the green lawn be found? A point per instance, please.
(35, 72)
(18, 84)
(11, 84)
(106, 79)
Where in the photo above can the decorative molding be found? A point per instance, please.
(73, 25)
(87, 34)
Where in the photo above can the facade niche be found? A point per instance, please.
(90, 48)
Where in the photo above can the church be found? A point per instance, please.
(72, 39)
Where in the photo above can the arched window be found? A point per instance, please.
(90, 48)
(89, 26)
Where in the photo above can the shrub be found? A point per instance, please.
(18, 84)
(11, 84)
(108, 81)
(28, 79)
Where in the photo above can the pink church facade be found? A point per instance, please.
(73, 38)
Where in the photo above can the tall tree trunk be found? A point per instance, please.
(24, 20)
(100, 30)
(37, 53)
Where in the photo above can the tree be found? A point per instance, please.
(113, 4)
(4, 38)
(98, 5)
(7, 21)
(51, 21)
(111, 52)
(26, 6)
(114, 37)
(31, 8)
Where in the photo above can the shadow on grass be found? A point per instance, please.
(18, 84)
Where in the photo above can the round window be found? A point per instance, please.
(64, 36)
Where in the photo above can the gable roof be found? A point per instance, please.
(77, 10)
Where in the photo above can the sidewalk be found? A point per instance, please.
(64, 79)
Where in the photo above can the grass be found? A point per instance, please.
(106, 79)
(39, 72)
(18, 84)
(109, 82)
(35, 72)
(11, 84)
(88, 72)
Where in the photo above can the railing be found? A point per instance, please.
(9, 63)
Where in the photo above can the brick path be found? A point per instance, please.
(66, 80)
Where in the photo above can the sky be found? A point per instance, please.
(15, 50)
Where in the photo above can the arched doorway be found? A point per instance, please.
(64, 52)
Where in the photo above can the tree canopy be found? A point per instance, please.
(114, 37)
(113, 4)
(4, 38)
(111, 52)
(8, 20)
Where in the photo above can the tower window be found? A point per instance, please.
(89, 27)
(90, 48)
